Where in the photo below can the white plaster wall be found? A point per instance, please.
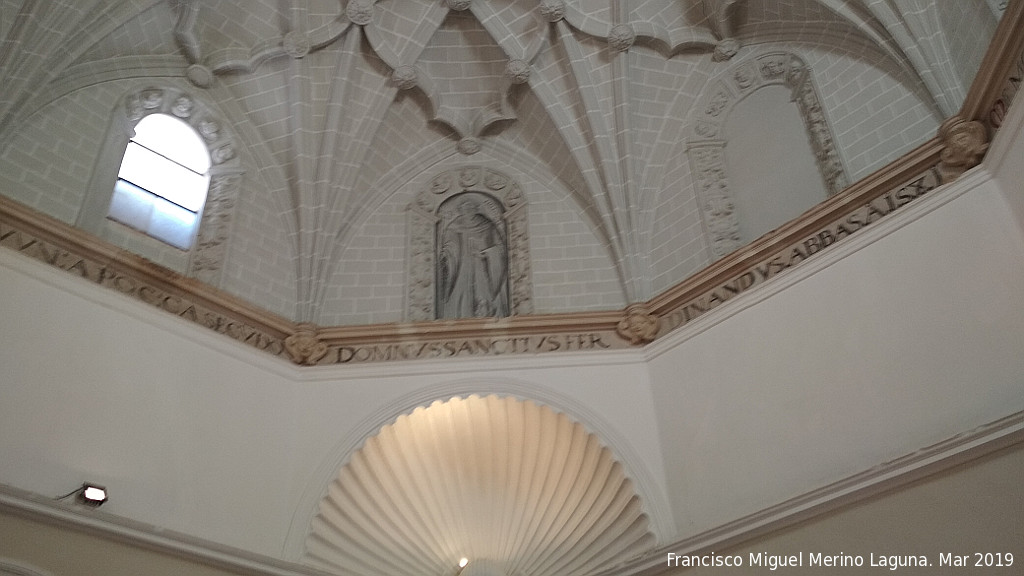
(196, 433)
(911, 338)
(962, 512)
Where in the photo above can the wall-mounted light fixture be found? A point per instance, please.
(92, 494)
(88, 494)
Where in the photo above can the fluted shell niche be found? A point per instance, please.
(512, 486)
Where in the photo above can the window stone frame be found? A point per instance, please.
(209, 247)
(706, 139)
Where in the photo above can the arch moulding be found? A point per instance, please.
(654, 500)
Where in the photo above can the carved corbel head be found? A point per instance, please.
(964, 144)
(639, 326)
(304, 346)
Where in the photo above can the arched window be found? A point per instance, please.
(163, 181)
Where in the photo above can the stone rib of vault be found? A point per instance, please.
(516, 488)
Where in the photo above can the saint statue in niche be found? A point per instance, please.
(472, 258)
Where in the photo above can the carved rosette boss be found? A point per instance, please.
(552, 10)
(621, 37)
(304, 346)
(639, 325)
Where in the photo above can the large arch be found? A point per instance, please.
(648, 483)
(511, 485)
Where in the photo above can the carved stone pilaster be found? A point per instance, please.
(420, 288)
(964, 145)
(826, 155)
(304, 346)
(639, 325)
(716, 202)
(210, 247)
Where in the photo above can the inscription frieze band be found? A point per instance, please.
(110, 276)
(455, 348)
(798, 252)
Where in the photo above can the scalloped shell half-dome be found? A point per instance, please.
(514, 487)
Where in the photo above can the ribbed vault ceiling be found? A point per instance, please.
(335, 100)
(513, 486)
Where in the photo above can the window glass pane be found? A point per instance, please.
(174, 139)
(172, 224)
(162, 177)
(138, 209)
(131, 205)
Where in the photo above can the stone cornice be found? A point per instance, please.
(1002, 56)
(62, 246)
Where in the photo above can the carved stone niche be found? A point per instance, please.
(496, 203)
(706, 140)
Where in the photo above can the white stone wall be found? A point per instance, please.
(679, 245)
(368, 285)
(260, 262)
(877, 118)
(48, 163)
(571, 267)
(967, 28)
